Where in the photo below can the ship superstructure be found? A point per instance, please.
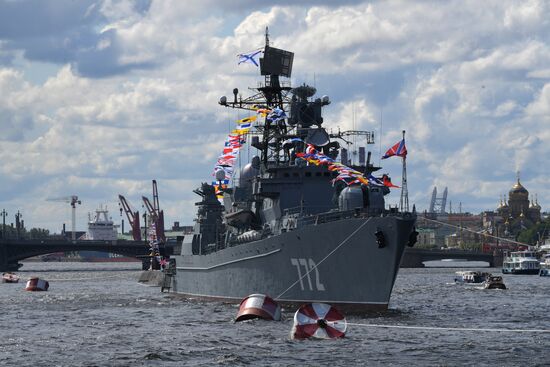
(101, 226)
(299, 221)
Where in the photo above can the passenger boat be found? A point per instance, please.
(9, 278)
(545, 266)
(36, 284)
(494, 282)
(471, 276)
(521, 262)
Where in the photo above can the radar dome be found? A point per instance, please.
(220, 175)
(350, 198)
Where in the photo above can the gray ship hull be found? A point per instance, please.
(338, 262)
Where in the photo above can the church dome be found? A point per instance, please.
(518, 189)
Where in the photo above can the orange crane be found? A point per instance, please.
(133, 217)
(156, 215)
(73, 200)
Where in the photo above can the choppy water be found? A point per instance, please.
(98, 315)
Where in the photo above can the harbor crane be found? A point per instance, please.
(133, 217)
(73, 200)
(156, 215)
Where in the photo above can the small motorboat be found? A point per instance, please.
(36, 284)
(494, 282)
(9, 278)
(545, 266)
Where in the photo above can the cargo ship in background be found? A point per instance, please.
(299, 221)
(102, 228)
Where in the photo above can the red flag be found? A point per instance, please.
(387, 181)
(399, 149)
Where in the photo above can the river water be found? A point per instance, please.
(96, 314)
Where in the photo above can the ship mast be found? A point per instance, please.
(271, 94)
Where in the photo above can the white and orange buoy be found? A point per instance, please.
(36, 284)
(258, 306)
(320, 321)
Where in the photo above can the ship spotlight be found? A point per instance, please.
(325, 100)
(380, 238)
(258, 306)
(223, 100)
(319, 321)
(413, 238)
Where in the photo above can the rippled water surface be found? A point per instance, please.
(96, 314)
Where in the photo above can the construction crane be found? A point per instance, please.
(155, 214)
(133, 217)
(73, 200)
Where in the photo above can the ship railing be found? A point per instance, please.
(308, 210)
(282, 83)
(339, 215)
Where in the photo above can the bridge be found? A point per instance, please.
(415, 257)
(12, 251)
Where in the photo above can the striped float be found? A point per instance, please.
(258, 306)
(320, 321)
(36, 284)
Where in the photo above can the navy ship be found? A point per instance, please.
(298, 222)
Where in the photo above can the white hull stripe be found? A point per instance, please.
(228, 262)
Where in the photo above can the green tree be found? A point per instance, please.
(535, 233)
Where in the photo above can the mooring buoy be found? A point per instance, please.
(258, 306)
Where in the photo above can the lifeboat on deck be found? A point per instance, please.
(36, 284)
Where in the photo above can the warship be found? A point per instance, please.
(299, 221)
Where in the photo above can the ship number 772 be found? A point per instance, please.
(306, 268)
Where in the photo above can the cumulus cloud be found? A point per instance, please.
(134, 95)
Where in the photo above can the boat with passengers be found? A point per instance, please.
(471, 276)
(494, 282)
(521, 262)
(545, 266)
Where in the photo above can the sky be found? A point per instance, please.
(97, 98)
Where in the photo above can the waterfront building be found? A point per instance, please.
(518, 212)
(426, 238)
